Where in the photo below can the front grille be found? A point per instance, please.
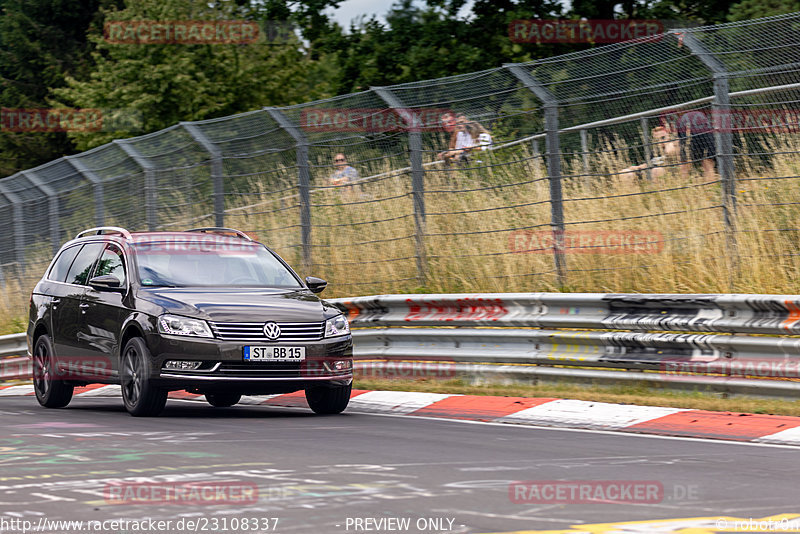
(254, 332)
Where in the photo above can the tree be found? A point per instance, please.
(431, 41)
(41, 41)
(752, 9)
(168, 83)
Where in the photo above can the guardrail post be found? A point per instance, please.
(97, 188)
(648, 154)
(217, 176)
(18, 219)
(553, 144)
(723, 135)
(417, 178)
(52, 207)
(303, 180)
(150, 201)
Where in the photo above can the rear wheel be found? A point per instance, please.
(328, 400)
(50, 391)
(223, 400)
(140, 396)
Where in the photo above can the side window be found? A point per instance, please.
(82, 266)
(58, 273)
(112, 262)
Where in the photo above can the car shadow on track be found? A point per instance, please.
(186, 409)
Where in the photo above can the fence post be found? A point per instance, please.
(150, 201)
(417, 178)
(97, 188)
(19, 225)
(553, 150)
(303, 181)
(648, 154)
(217, 176)
(585, 156)
(52, 207)
(723, 136)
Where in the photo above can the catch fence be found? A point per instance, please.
(554, 203)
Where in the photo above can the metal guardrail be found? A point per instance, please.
(727, 342)
(675, 341)
(12, 345)
(723, 313)
(11, 365)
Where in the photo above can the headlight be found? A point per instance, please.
(337, 326)
(183, 326)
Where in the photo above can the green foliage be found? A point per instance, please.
(169, 83)
(52, 54)
(751, 9)
(41, 41)
(418, 43)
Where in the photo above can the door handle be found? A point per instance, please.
(83, 307)
(54, 303)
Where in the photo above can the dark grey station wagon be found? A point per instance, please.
(208, 311)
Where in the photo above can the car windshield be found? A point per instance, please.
(192, 264)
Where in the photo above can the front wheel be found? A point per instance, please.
(223, 400)
(51, 392)
(140, 396)
(328, 400)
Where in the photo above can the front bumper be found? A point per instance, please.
(223, 366)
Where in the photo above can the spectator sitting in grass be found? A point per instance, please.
(343, 174)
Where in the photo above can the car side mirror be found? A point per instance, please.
(316, 285)
(106, 282)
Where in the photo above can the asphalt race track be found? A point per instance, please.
(356, 472)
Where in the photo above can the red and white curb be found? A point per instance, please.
(775, 429)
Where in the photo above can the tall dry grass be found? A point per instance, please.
(475, 214)
(478, 217)
(14, 299)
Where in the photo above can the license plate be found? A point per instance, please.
(274, 354)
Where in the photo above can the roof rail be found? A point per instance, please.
(102, 230)
(220, 231)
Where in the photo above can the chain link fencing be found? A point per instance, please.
(592, 180)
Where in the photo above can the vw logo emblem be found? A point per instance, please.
(272, 330)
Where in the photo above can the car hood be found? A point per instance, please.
(246, 305)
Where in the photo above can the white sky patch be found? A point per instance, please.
(355, 9)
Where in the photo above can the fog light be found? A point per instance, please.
(342, 365)
(182, 365)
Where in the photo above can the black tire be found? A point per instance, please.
(51, 392)
(328, 400)
(223, 400)
(140, 396)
